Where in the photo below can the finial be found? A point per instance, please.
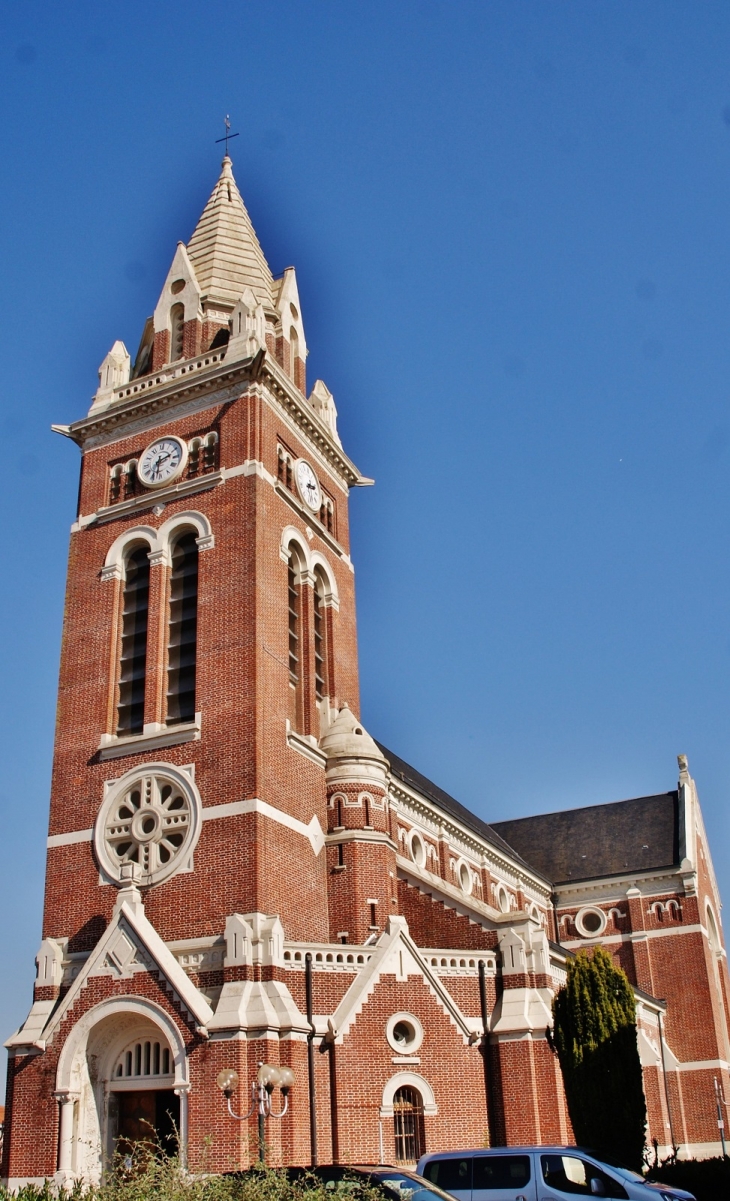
(683, 765)
(226, 137)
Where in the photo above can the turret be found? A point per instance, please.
(361, 852)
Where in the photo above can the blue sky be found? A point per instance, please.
(511, 228)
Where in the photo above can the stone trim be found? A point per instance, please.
(152, 738)
(437, 823)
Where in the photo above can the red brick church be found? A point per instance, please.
(237, 872)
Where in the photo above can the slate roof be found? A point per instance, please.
(575, 844)
(600, 840)
(403, 771)
(224, 249)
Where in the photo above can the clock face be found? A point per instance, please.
(162, 462)
(308, 485)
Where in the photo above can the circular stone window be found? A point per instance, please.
(464, 876)
(502, 897)
(151, 817)
(404, 1032)
(590, 922)
(418, 850)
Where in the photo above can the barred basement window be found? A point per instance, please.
(410, 1143)
(183, 634)
(133, 659)
(177, 327)
(295, 663)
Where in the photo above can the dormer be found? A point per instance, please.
(248, 328)
(178, 316)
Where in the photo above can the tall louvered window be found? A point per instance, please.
(295, 648)
(177, 326)
(133, 664)
(183, 636)
(321, 647)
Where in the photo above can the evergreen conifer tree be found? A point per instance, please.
(594, 1036)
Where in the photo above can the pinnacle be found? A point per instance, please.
(224, 250)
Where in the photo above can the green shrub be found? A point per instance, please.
(147, 1174)
(708, 1179)
(594, 1036)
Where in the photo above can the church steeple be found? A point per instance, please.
(224, 250)
(219, 296)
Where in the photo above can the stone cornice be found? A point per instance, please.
(657, 881)
(436, 819)
(464, 903)
(145, 400)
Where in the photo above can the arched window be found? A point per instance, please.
(130, 479)
(296, 662)
(322, 657)
(148, 1057)
(410, 1143)
(293, 352)
(194, 454)
(177, 326)
(210, 450)
(133, 659)
(183, 635)
(284, 468)
(115, 483)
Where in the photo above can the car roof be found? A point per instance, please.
(500, 1150)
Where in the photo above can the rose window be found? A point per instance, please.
(152, 818)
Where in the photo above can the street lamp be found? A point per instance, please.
(267, 1079)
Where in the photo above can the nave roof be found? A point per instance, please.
(574, 844)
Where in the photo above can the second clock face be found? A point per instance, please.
(308, 485)
(162, 462)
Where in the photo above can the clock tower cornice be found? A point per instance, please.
(145, 404)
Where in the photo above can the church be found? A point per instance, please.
(238, 874)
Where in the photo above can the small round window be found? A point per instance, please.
(590, 922)
(502, 898)
(418, 850)
(465, 877)
(404, 1032)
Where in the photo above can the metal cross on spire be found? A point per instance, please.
(228, 135)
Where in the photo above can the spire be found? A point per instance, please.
(224, 249)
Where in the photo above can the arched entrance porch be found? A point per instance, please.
(122, 1075)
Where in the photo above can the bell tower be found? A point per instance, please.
(210, 628)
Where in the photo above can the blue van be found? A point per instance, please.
(538, 1174)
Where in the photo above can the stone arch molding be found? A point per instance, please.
(400, 1080)
(84, 1068)
(159, 541)
(68, 1073)
(314, 563)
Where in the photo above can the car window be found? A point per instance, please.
(409, 1188)
(501, 1171)
(449, 1174)
(572, 1176)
